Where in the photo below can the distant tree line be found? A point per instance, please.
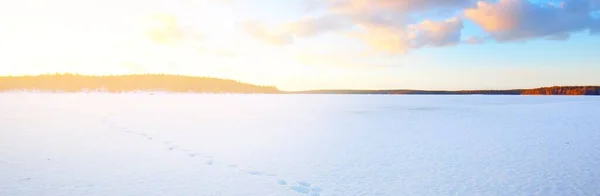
(564, 90)
(128, 83)
(179, 83)
(555, 90)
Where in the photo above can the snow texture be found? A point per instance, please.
(279, 145)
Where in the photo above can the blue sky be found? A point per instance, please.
(309, 44)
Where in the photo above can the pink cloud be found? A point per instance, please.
(397, 26)
(427, 33)
(383, 25)
(509, 20)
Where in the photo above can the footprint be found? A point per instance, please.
(316, 189)
(146, 136)
(303, 183)
(281, 182)
(300, 189)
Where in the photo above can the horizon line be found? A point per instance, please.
(291, 91)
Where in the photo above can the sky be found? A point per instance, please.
(311, 44)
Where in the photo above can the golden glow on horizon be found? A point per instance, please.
(123, 37)
(338, 45)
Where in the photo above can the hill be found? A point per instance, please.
(126, 83)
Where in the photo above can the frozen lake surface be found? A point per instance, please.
(279, 145)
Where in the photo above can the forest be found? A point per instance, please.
(179, 83)
(555, 90)
(128, 83)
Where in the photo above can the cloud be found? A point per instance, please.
(509, 20)
(438, 33)
(384, 25)
(397, 26)
(313, 26)
(388, 40)
(260, 32)
(168, 30)
(394, 12)
(401, 40)
(390, 25)
(306, 27)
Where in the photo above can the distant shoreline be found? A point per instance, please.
(188, 84)
(554, 90)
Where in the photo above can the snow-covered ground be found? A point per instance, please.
(345, 145)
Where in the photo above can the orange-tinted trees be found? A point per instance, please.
(125, 83)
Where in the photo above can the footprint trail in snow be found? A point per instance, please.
(301, 187)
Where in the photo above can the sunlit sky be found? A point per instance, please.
(311, 44)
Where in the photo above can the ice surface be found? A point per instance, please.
(198, 144)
